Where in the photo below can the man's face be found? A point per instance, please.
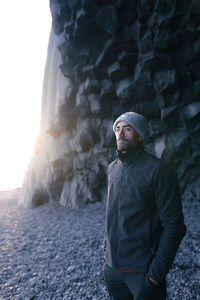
(126, 136)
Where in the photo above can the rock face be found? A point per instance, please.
(105, 58)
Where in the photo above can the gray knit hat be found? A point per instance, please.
(137, 121)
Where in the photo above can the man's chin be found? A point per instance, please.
(121, 147)
(124, 147)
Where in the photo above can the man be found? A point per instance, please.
(144, 220)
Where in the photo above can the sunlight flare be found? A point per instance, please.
(24, 29)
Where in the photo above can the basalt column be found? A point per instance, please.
(105, 58)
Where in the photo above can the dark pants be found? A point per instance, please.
(132, 285)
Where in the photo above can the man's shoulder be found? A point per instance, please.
(160, 165)
(113, 163)
(157, 163)
(151, 158)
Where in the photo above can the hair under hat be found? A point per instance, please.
(137, 121)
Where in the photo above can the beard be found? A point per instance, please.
(125, 145)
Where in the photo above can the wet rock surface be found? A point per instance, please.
(51, 252)
(105, 58)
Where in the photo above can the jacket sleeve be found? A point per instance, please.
(169, 208)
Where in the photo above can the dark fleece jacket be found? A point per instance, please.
(144, 220)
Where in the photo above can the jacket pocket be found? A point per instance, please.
(149, 283)
(149, 290)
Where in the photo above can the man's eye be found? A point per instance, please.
(127, 129)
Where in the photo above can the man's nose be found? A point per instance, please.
(121, 132)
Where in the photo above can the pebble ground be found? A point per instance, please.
(52, 252)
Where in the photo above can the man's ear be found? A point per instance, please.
(139, 140)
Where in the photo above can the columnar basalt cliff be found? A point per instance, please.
(105, 58)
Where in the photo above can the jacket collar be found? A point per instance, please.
(132, 154)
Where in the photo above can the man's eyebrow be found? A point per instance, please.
(124, 126)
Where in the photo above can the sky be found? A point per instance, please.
(24, 32)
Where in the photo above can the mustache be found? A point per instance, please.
(123, 139)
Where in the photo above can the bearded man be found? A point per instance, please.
(144, 220)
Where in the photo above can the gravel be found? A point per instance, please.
(53, 252)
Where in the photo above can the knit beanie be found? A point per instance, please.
(137, 121)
